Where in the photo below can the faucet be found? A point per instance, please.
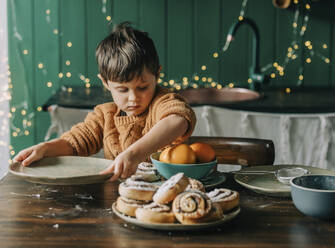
(255, 73)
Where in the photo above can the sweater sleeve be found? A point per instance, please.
(172, 103)
(86, 137)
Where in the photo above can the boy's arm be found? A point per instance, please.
(162, 134)
(53, 148)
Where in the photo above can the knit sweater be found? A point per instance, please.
(106, 128)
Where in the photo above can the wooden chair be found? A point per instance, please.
(240, 151)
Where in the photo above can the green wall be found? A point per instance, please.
(187, 33)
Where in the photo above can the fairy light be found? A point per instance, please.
(161, 74)
(23, 112)
(288, 90)
(299, 28)
(39, 108)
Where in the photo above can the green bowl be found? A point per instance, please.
(195, 171)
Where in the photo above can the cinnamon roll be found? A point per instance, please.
(137, 189)
(195, 185)
(155, 213)
(128, 206)
(190, 207)
(228, 199)
(148, 171)
(171, 188)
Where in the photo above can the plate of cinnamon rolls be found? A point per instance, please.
(179, 203)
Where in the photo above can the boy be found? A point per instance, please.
(142, 119)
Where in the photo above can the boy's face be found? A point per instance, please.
(133, 97)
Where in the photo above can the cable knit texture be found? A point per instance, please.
(105, 128)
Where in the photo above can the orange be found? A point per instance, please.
(204, 152)
(179, 154)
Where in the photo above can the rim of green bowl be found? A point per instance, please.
(185, 165)
(293, 184)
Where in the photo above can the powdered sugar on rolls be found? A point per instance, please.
(155, 213)
(195, 185)
(171, 188)
(128, 206)
(190, 207)
(137, 189)
(148, 171)
(228, 199)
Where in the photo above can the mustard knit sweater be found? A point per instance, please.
(105, 128)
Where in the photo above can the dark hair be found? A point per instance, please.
(123, 54)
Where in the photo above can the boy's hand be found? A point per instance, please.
(124, 165)
(31, 154)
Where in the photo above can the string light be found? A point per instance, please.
(198, 79)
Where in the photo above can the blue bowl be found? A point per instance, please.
(314, 195)
(195, 171)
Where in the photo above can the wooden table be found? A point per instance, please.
(33, 215)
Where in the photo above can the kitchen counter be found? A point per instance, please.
(304, 100)
(34, 215)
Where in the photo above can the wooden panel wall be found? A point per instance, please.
(186, 32)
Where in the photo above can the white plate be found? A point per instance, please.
(66, 170)
(176, 226)
(268, 184)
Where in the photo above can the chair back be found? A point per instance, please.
(241, 151)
